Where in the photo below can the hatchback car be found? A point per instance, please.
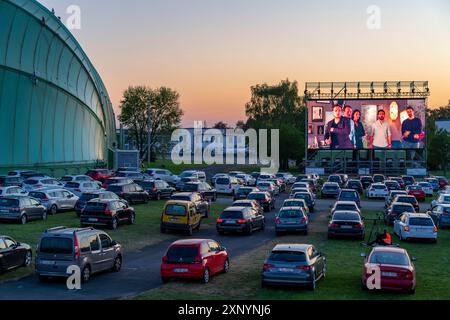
(415, 226)
(202, 206)
(416, 191)
(440, 215)
(194, 259)
(12, 191)
(395, 210)
(264, 199)
(346, 224)
(397, 269)
(131, 192)
(21, 209)
(243, 193)
(291, 219)
(355, 185)
(240, 219)
(377, 190)
(88, 196)
(91, 250)
(330, 189)
(107, 212)
(157, 189)
(55, 200)
(349, 195)
(203, 188)
(78, 187)
(294, 264)
(366, 181)
(13, 254)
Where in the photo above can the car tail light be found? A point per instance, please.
(268, 266)
(198, 259)
(304, 268)
(358, 226)
(408, 275)
(242, 221)
(334, 225)
(77, 247)
(303, 221)
(154, 190)
(277, 220)
(108, 212)
(219, 220)
(434, 229)
(406, 228)
(165, 259)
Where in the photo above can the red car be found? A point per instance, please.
(99, 174)
(397, 272)
(417, 192)
(443, 182)
(194, 259)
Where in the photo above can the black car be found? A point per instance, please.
(366, 181)
(21, 209)
(203, 188)
(407, 199)
(378, 178)
(131, 192)
(330, 189)
(310, 202)
(243, 192)
(240, 219)
(264, 199)
(399, 180)
(395, 210)
(201, 204)
(336, 178)
(108, 213)
(88, 196)
(13, 254)
(8, 181)
(157, 189)
(346, 224)
(409, 180)
(392, 185)
(355, 185)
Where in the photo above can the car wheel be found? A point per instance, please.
(53, 209)
(226, 266)
(85, 274)
(132, 219)
(205, 278)
(28, 259)
(23, 219)
(117, 264)
(114, 224)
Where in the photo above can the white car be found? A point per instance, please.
(287, 177)
(415, 226)
(265, 176)
(446, 190)
(377, 190)
(217, 175)
(163, 174)
(426, 187)
(41, 182)
(77, 178)
(12, 191)
(199, 175)
(268, 186)
(248, 179)
(78, 188)
(442, 199)
(227, 185)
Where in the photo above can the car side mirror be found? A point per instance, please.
(114, 243)
(223, 249)
(362, 255)
(413, 259)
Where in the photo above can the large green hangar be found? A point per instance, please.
(55, 111)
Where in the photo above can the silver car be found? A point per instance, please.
(12, 191)
(55, 199)
(78, 188)
(415, 226)
(41, 182)
(291, 219)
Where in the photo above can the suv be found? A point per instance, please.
(131, 192)
(240, 219)
(107, 212)
(55, 199)
(157, 189)
(87, 196)
(21, 209)
(91, 250)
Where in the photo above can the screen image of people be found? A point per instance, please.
(366, 124)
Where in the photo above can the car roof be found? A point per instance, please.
(68, 231)
(291, 208)
(291, 247)
(331, 183)
(346, 212)
(389, 249)
(417, 215)
(186, 242)
(345, 202)
(401, 204)
(235, 208)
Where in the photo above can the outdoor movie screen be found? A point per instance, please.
(366, 124)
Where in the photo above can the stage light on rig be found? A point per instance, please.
(393, 111)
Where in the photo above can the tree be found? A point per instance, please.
(220, 125)
(438, 141)
(165, 113)
(242, 125)
(280, 107)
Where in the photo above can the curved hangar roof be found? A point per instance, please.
(54, 108)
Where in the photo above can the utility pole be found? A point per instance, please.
(149, 132)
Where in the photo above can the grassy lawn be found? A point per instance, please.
(343, 274)
(144, 233)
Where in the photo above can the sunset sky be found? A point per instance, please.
(212, 51)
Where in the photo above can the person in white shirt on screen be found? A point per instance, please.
(380, 136)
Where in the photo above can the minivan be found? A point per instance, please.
(227, 185)
(179, 215)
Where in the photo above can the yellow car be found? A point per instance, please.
(180, 216)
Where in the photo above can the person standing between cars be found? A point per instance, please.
(381, 136)
(358, 133)
(337, 132)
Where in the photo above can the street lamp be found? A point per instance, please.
(149, 110)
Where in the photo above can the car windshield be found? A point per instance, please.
(9, 203)
(56, 245)
(348, 195)
(426, 222)
(392, 258)
(182, 254)
(223, 181)
(346, 216)
(181, 198)
(290, 214)
(231, 215)
(175, 210)
(287, 256)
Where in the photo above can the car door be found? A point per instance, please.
(36, 208)
(6, 256)
(214, 249)
(166, 190)
(95, 256)
(14, 256)
(108, 253)
(316, 261)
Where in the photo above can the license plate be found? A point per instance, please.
(389, 274)
(286, 270)
(93, 219)
(180, 270)
(46, 262)
(4, 211)
(346, 227)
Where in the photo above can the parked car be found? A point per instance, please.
(337, 179)
(397, 269)
(399, 180)
(131, 192)
(355, 185)
(182, 182)
(248, 179)
(107, 212)
(313, 184)
(296, 203)
(240, 219)
(407, 199)
(136, 176)
(416, 191)
(286, 176)
(366, 181)
(163, 174)
(409, 180)
(12, 191)
(249, 203)
(426, 187)
(92, 250)
(330, 189)
(296, 190)
(377, 190)
(440, 215)
(157, 189)
(392, 185)
(278, 184)
(378, 178)
(227, 185)
(265, 176)
(291, 219)
(116, 180)
(87, 196)
(415, 226)
(294, 264)
(202, 206)
(346, 224)
(55, 200)
(395, 210)
(442, 199)
(268, 186)
(13, 254)
(217, 175)
(199, 175)
(243, 192)
(434, 183)
(301, 184)
(78, 178)
(349, 195)
(203, 188)
(39, 182)
(11, 181)
(194, 259)
(392, 195)
(100, 174)
(180, 215)
(308, 198)
(345, 206)
(21, 209)
(264, 199)
(443, 182)
(77, 188)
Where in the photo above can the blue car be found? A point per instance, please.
(350, 195)
(441, 215)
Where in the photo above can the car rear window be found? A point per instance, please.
(346, 216)
(182, 254)
(397, 259)
(231, 215)
(426, 222)
(379, 187)
(287, 256)
(88, 196)
(290, 214)
(223, 181)
(257, 196)
(331, 187)
(348, 195)
(96, 206)
(293, 204)
(30, 181)
(345, 207)
(446, 199)
(176, 210)
(302, 196)
(9, 203)
(56, 245)
(37, 195)
(407, 199)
